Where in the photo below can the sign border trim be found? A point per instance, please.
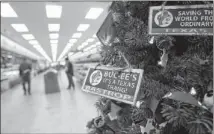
(140, 71)
(152, 8)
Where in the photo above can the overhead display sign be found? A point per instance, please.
(110, 83)
(181, 20)
(106, 33)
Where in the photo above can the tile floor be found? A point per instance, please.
(63, 112)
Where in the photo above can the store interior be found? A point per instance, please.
(174, 87)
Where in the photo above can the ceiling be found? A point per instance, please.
(33, 15)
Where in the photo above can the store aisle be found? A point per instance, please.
(64, 112)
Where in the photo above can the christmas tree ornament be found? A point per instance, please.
(164, 44)
(208, 100)
(193, 91)
(128, 13)
(164, 59)
(152, 40)
(116, 40)
(114, 110)
(138, 104)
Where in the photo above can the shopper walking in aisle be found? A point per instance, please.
(70, 73)
(25, 73)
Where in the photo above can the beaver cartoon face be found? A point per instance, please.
(96, 77)
(163, 18)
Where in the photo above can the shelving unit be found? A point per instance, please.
(82, 69)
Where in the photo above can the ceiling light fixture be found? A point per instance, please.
(73, 40)
(79, 48)
(54, 27)
(54, 51)
(94, 13)
(90, 47)
(65, 51)
(84, 44)
(70, 53)
(36, 46)
(69, 45)
(42, 52)
(53, 11)
(20, 27)
(33, 42)
(77, 35)
(28, 36)
(90, 40)
(53, 41)
(7, 11)
(54, 36)
(83, 27)
(54, 44)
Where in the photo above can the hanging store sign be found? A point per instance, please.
(110, 83)
(181, 20)
(106, 33)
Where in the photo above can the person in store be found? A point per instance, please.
(70, 73)
(25, 73)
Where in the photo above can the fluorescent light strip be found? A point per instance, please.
(78, 53)
(73, 40)
(7, 11)
(84, 44)
(53, 11)
(54, 36)
(79, 48)
(42, 52)
(83, 27)
(94, 13)
(97, 45)
(77, 35)
(53, 27)
(90, 40)
(20, 27)
(64, 52)
(28, 36)
(70, 53)
(9, 44)
(54, 51)
(53, 41)
(90, 47)
(33, 42)
(70, 45)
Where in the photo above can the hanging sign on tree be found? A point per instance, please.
(181, 20)
(113, 83)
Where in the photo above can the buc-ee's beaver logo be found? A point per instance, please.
(96, 77)
(163, 18)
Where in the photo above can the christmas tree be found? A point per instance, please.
(170, 64)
